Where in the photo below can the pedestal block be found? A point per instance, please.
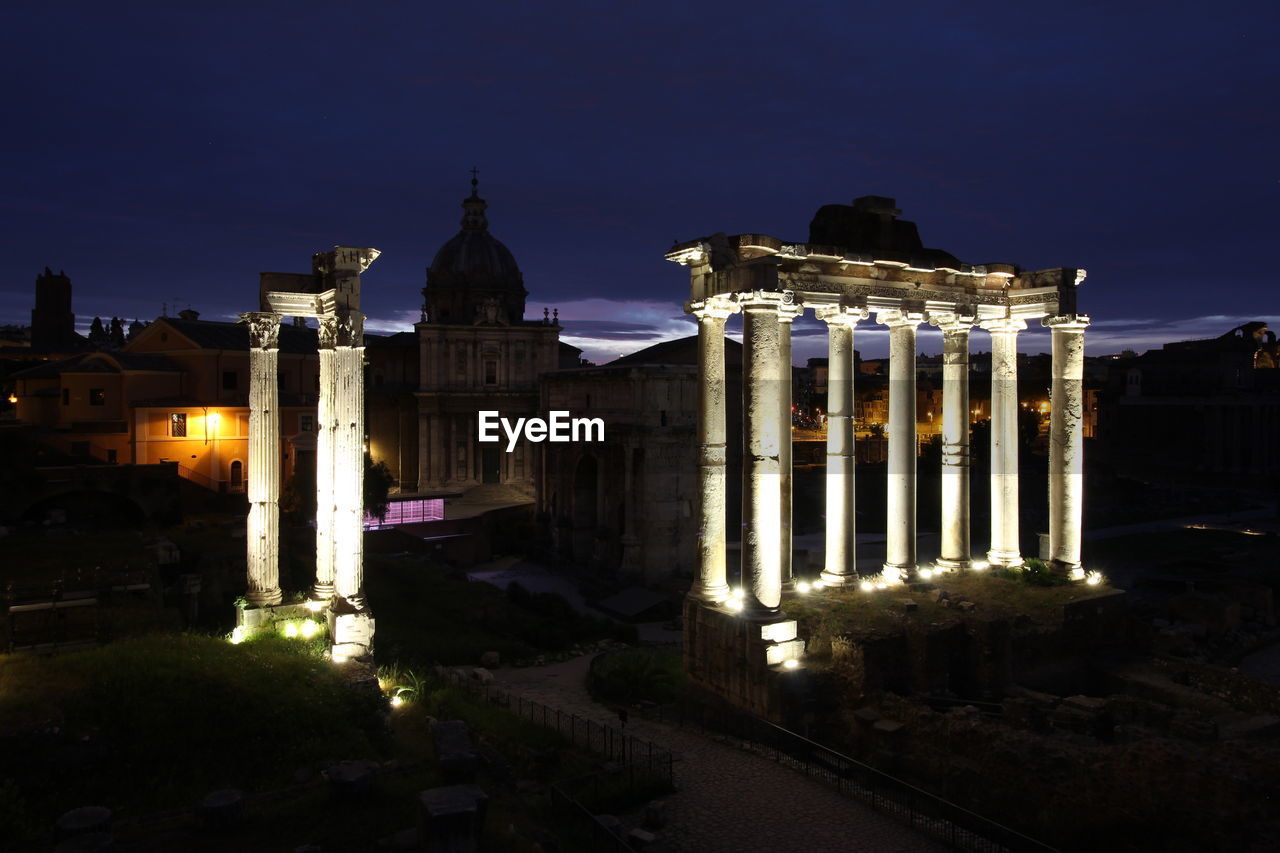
(352, 632)
(739, 659)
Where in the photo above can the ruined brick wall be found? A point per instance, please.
(1242, 691)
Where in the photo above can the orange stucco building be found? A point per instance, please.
(177, 392)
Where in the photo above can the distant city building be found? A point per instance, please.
(53, 326)
(177, 392)
(472, 351)
(1197, 411)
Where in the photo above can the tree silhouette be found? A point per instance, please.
(97, 334)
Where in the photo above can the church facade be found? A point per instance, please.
(472, 351)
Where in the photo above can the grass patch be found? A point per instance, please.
(154, 723)
(633, 675)
(427, 614)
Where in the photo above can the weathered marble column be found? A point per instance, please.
(900, 543)
(710, 582)
(785, 315)
(1004, 549)
(325, 432)
(348, 456)
(263, 533)
(1066, 442)
(762, 398)
(956, 549)
(841, 549)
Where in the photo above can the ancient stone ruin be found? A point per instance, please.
(862, 262)
(331, 295)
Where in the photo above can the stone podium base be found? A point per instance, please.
(352, 631)
(740, 659)
(285, 619)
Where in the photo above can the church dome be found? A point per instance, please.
(474, 255)
(474, 278)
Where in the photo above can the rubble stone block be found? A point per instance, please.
(451, 818)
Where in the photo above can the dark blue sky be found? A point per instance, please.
(169, 152)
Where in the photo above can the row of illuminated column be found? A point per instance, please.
(766, 521)
(339, 461)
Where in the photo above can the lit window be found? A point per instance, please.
(178, 425)
(97, 397)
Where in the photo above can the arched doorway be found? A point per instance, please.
(237, 475)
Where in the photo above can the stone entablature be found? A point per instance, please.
(823, 275)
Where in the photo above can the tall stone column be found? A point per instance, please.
(900, 544)
(348, 455)
(841, 551)
(711, 583)
(326, 429)
(1004, 441)
(762, 448)
(263, 539)
(1066, 441)
(785, 465)
(956, 548)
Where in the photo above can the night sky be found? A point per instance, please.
(167, 153)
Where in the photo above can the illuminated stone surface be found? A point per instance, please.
(1066, 442)
(841, 546)
(764, 379)
(710, 581)
(326, 428)
(263, 529)
(956, 548)
(1004, 550)
(900, 541)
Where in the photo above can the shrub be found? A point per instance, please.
(636, 675)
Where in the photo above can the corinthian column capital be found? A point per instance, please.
(350, 329)
(328, 332)
(264, 329)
